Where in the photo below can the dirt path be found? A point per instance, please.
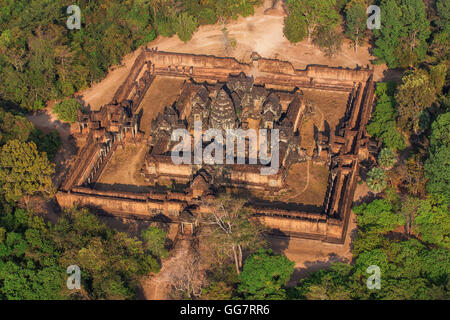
(46, 121)
(157, 287)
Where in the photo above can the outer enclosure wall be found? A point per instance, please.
(266, 71)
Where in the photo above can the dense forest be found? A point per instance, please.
(41, 59)
(404, 230)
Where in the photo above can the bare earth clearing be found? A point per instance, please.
(163, 92)
(124, 166)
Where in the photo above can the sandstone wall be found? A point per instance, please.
(112, 204)
(255, 177)
(330, 225)
(126, 86)
(265, 71)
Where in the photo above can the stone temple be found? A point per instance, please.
(320, 114)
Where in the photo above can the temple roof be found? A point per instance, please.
(222, 115)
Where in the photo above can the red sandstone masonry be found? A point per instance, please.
(266, 71)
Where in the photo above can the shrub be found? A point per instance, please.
(67, 110)
(186, 26)
(295, 28)
(207, 16)
(166, 26)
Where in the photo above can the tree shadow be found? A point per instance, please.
(278, 240)
(313, 266)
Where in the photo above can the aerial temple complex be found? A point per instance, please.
(225, 94)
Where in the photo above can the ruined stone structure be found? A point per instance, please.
(222, 107)
(223, 93)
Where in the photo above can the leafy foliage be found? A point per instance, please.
(387, 158)
(329, 40)
(34, 257)
(29, 267)
(264, 275)
(48, 143)
(40, 59)
(356, 21)
(437, 166)
(111, 262)
(67, 110)
(409, 269)
(376, 179)
(315, 13)
(24, 171)
(414, 95)
(402, 39)
(186, 26)
(154, 239)
(378, 216)
(433, 222)
(383, 123)
(14, 127)
(295, 28)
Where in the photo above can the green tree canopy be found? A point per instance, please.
(316, 13)
(433, 222)
(437, 166)
(402, 39)
(29, 267)
(24, 171)
(111, 262)
(376, 179)
(414, 95)
(387, 158)
(264, 275)
(295, 28)
(186, 26)
(67, 110)
(14, 127)
(383, 123)
(356, 22)
(154, 239)
(378, 216)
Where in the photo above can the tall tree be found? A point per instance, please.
(356, 21)
(186, 26)
(437, 166)
(402, 39)
(264, 276)
(154, 239)
(433, 221)
(376, 179)
(414, 95)
(378, 216)
(329, 40)
(317, 13)
(233, 228)
(383, 123)
(24, 171)
(295, 27)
